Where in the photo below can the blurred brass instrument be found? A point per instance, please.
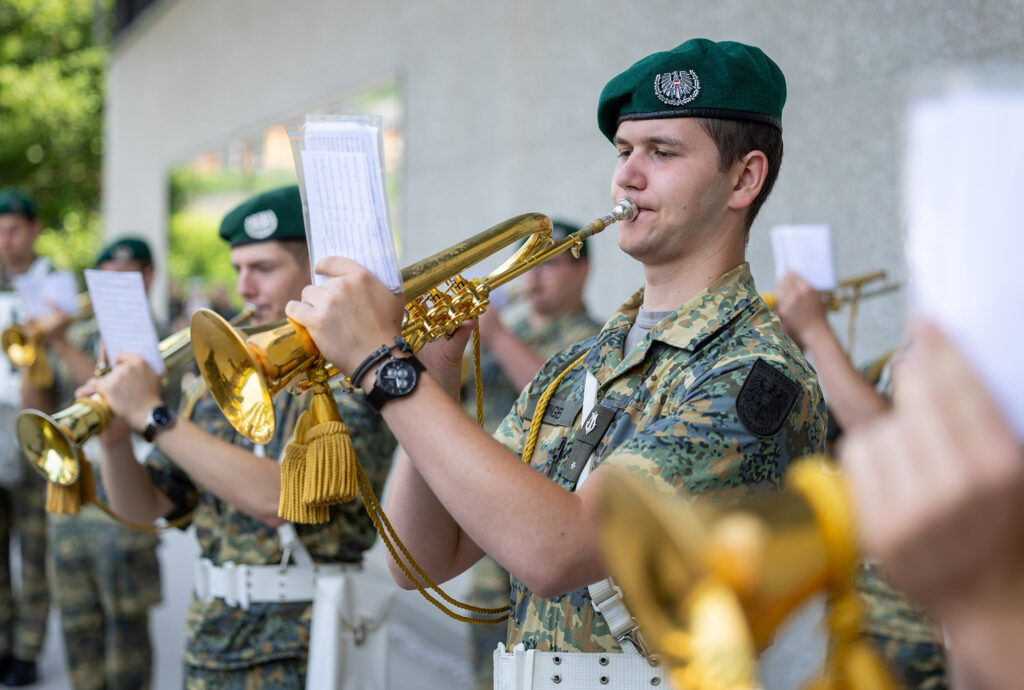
(849, 291)
(23, 345)
(245, 368)
(709, 585)
(51, 443)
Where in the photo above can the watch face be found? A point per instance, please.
(396, 377)
(161, 416)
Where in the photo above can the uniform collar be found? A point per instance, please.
(686, 328)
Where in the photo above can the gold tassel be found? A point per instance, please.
(330, 465)
(63, 500)
(330, 458)
(39, 373)
(293, 473)
(69, 499)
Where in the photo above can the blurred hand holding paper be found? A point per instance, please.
(807, 251)
(965, 237)
(343, 177)
(122, 314)
(41, 294)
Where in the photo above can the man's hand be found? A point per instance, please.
(350, 315)
(53, 325)
(800, 308)
(131, 389)
(939, 487)
(443, 358)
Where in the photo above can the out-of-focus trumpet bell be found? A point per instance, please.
(50, 443)
(710, 584)
(20, 347)
(246, 367)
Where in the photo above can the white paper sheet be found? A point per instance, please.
(344, 185)
(122, 314)
(965, 236)
(43, 293)
(807, 251)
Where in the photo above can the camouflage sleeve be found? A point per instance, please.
(705, 440)
(174, 484)
(371, 439)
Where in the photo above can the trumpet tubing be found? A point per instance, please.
(245, 368)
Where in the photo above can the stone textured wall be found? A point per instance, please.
(499, 104)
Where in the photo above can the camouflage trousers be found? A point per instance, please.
(104, 578)
(286, 674)
(23, 620)
(916, 665)
(489, 587)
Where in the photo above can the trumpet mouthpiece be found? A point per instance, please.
(625, 209)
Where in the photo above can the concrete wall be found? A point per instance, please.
(499, 103)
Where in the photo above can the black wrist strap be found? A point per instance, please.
(401, 344)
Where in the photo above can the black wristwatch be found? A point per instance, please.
(396, 378)
(160, 418)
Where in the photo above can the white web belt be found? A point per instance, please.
(523, 669)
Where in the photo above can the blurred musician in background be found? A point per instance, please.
(240, 634)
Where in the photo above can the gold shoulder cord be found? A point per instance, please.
(393, 543)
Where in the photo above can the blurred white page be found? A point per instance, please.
(40, 294)
(345, 194)
(807, 251)
(122, 314)
(965, 236)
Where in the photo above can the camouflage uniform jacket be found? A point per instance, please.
(219, 636)
(550, 339)
(681, 417)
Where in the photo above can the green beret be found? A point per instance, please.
(273, 215)
(127, 249)
(700, 78)
(560, 229)
(16, 201)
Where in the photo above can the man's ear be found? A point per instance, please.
(751, 172)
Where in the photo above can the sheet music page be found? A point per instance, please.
(345, 195)
(807, 251)
(41, 294)
(122, 314)
(964, 176)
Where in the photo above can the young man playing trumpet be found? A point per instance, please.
(692, 384)
(201, 464)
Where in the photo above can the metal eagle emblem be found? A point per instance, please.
(260, 225)
(677, 88)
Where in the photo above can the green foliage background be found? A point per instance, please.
(53, 57)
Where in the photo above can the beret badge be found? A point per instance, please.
(677, 88)
(261, 225)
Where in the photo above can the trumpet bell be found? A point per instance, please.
(245, 368)
(50, 443)
(21, 348)
(710, 584)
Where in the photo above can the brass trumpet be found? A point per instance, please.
(23, 345)
(709, 585)
(244, 369)
(849, 291)
(51, 443)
